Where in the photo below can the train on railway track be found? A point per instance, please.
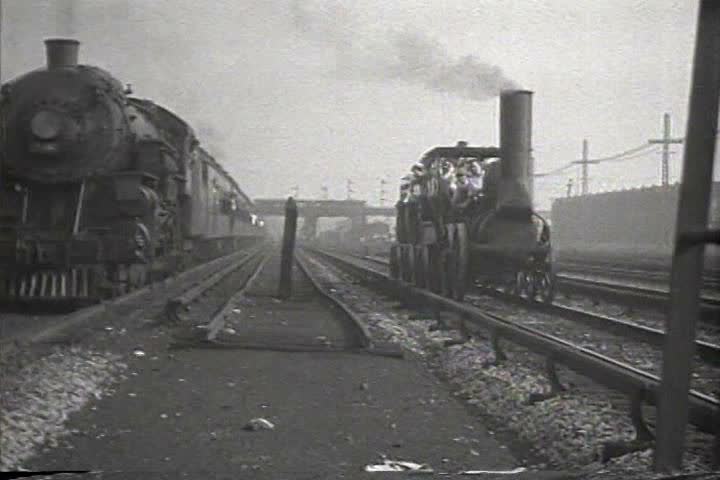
(102, 193)
(465, 215)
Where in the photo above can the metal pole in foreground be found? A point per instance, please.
(692, 216)
(288, 248)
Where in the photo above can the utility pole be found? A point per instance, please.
(666, 141)
(584, 163)
(585, 167)
(569, 187)
(349, 189)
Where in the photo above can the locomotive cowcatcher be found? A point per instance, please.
(101, 193)
(465, 216)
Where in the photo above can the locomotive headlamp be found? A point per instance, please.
(46, 125)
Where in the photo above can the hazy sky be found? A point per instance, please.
(313, 92)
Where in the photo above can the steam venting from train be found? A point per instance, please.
(398, 55)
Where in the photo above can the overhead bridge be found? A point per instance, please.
(356, 210)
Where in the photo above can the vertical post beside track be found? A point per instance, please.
(687, 263)
(288, 248)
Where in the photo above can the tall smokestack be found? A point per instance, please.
(61, 52)
(516, 147)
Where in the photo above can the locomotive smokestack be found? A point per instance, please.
(516, 146)
(61, 52)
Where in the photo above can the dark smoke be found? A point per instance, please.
(406, 55)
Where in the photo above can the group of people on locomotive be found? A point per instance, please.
(455, 206)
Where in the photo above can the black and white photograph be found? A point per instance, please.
(334, 239)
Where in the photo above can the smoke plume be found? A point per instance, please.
(397, 55)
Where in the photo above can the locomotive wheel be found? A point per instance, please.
(545, 286)
(449, 263)
(411, 224)
(394, 262)
(401, 262)
(400, 225)
(410, 264)
(461, 258)
(435, 274)
(422, 266)
(521, 284)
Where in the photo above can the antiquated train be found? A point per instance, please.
(465, 215)
(101, 193)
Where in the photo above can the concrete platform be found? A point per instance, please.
(182, 414)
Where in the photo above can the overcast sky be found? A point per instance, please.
(313, 92)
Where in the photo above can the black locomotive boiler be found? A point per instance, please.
(101, 193)
(465, 215)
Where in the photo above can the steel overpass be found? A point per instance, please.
(356, 210)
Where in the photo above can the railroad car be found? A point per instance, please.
(101, 192)
(465, 215)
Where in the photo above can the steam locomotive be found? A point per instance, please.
(465, 215)
(100, 192)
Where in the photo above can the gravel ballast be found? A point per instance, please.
(565, 431)
(37, 400)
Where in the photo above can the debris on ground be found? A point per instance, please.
(398, 466)
(259, 424)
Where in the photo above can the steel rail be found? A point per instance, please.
(218, 319)
(182, 302)
(707, 351)
(58, 325)
(360, 329)
(618, 376)
(643, 296)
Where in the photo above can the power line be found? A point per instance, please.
(625, 155)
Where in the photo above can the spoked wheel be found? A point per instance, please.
(448, 263)
(400, 227)
(545, 286)
(412, 222)
(394, 262)
(460, 257)
(422, 266)
(524, 285)
(402, 264)
(408, 264)
(435, 274)
(412, 264)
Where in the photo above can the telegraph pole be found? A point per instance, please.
(666, 141)
(584, 163)
(585, 167)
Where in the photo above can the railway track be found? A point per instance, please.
(23, 331)
(652, 335)
(656, 275)
(639, 386)
(634, 295)
(624, 292)
(227, 329)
